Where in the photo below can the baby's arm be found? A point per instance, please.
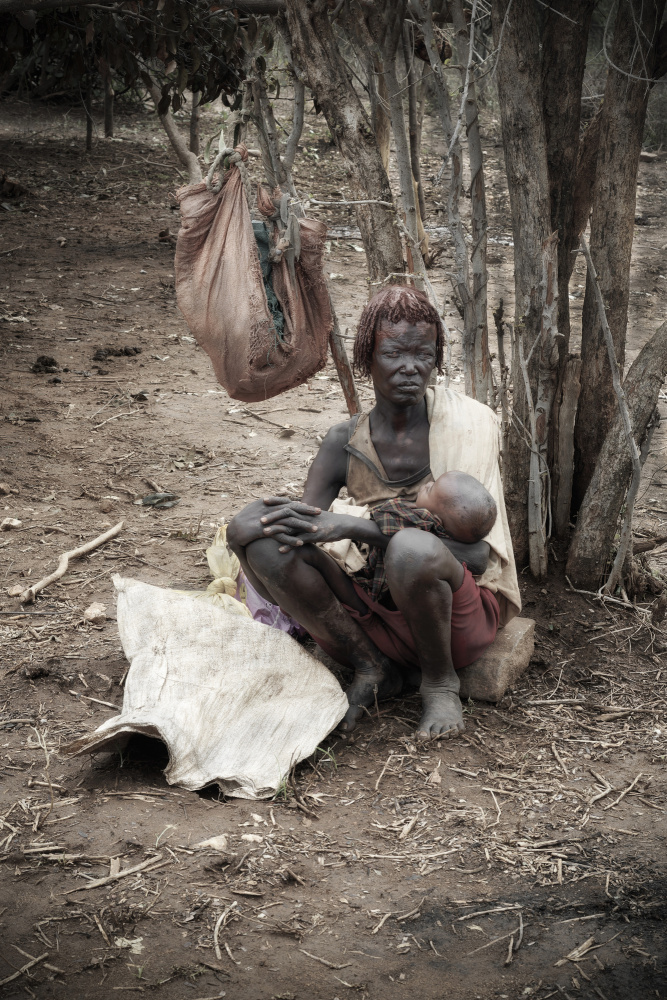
(475, 555)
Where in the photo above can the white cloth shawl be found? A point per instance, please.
(465, 437)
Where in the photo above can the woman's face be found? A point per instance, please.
(403, 359)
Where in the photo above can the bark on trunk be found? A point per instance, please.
(524, 141)
(87, 102)
(584, 181)
(194, 123)
(108, 107)
(408, 198)
(539, 405)
(44, 71)
(593, 541)
(267, 134)
(612, 224)
(476, 348)
(316, 52)
(379, 104)
(563, 458)
(422, 10)
(414, 129)
(564, 44)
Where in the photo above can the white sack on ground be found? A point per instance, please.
(236, 702)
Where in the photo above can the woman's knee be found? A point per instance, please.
(265, 559)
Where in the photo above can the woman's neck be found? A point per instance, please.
(402, 419)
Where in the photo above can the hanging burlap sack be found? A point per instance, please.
(220, 290)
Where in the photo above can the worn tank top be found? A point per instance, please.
(367, 480)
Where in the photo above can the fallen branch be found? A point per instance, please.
(28, 596)
(381, 923)
(24, 968)
(324, 961)
(488, 944)
(646, 544)
(152, 863)
(626, 531)
(623, 793)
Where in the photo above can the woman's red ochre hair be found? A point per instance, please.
(394, 304)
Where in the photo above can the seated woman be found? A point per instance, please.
(445, 598)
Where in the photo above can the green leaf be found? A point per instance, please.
(267, 40)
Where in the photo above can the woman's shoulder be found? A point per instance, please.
(340, 434)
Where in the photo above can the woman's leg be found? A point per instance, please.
(310, 586)
(422, 575)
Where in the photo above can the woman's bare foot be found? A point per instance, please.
(442, 713)
(370, 683)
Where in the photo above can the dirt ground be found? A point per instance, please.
(526, 859)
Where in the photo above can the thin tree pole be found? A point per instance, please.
(626, 531)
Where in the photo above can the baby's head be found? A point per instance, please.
(467, 510)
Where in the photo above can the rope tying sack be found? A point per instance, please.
(237, 158)
(220, 289)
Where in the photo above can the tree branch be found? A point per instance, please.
(246, 6)
(188, 159)
(297, 126)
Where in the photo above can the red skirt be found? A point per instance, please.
(475, 618)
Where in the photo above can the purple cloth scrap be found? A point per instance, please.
(265, 612)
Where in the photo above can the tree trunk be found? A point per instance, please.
(562, 464)
(44, 69)
(87, 102)
(460, 281)
(267, 133)
(414, 129)
(593, 540)
(408, 199)
(194, 123)
(525, 145)
(108, 107)
(612, 224)
(476, 350)
(564, 44)
(318, 57)
(379, 104)
(584, 180)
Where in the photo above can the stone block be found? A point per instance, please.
(507, 657)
